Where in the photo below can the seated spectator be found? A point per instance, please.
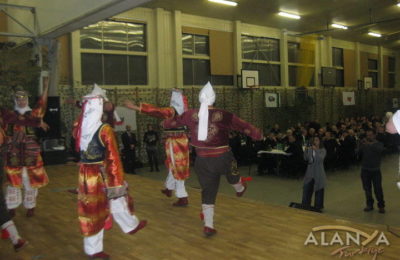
(331, 146)
(275, 129)
(346, 150)
(267, 162)
(335, 132)
(293, 165)
(311, 132)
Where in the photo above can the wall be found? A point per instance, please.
(164, 30)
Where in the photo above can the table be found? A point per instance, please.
(277, 154)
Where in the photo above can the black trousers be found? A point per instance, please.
(129, 160)
(4, 217)
(308, 190)
(209, 171)
(372, 178)
(152, 156)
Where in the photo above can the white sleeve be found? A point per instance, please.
(396, 120)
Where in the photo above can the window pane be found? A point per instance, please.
(248, 47)
(293, 76)
(340, 78)
(337, 57)
(137, 70)
(372, 64)
(201, 45)
(91, 37)
(391, 80)
(201, 71)
(187, 44)
(269, 49)
(92, 68)
(293, 52)
(136, 37)
(392, 64)
(115, 69)
(222, 80)
(374, 76)
(187, 72)
(114, 36)
(295, 70)
(260, 48)
(269, 75)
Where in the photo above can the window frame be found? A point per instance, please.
(101, 51)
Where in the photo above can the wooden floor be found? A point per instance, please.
(247, 229)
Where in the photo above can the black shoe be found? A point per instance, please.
(382, 210)
(368, 209)
(157, 170)
(151, 170)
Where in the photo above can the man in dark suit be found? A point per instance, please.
(129, 152)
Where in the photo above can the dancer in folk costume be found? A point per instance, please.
(176, 145)
(102, 190)
(23, 163)
(8, 228)
(209, 134)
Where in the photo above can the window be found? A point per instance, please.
(269, 74)
(196, 60)
(339, 77)
(293, 79)
(391, 72)
(373, 71)
(260, 48)
(114, 53)
(299, 65)
(337, 57)
(293, 52)
(262, 54)
(338, 64)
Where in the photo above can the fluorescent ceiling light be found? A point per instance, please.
(339, 26)
(398, 4)
(224, 2)
(293, 16)
(374, 34)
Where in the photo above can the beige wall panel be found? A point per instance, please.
(221, 53)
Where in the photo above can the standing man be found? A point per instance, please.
(209, 132)
(176, 145)
(102, 190)
(371, 152)
(23, 162)
(151, 140)
(129, 142)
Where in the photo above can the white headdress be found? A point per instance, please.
(21, 94)
(206, 98)
(92, 112)
(178, 101)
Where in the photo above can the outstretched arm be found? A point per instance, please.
(151, 110)
(246, 128)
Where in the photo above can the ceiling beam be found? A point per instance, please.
(93, 16)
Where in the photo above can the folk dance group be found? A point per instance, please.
(102, 192)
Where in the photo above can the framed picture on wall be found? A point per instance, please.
(272, 99)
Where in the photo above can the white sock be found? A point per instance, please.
(208, 212)
(12, 230)
(238, 186)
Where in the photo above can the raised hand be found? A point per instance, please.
(129, 104)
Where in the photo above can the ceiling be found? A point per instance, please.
(361, 16)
